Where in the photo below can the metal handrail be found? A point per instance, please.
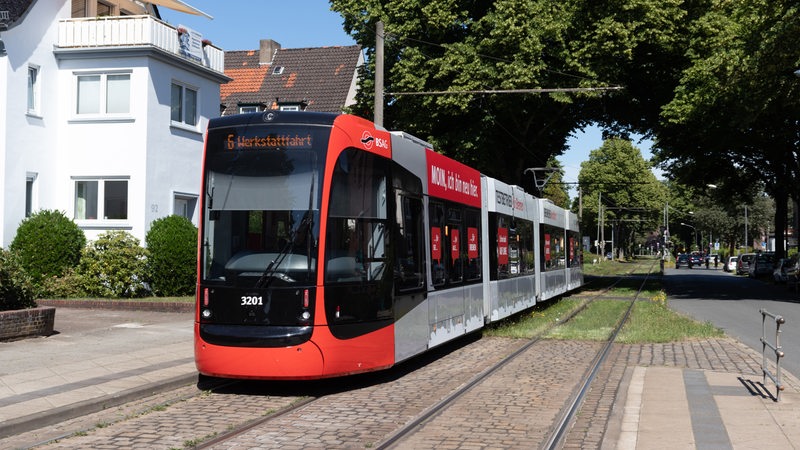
(776, 348)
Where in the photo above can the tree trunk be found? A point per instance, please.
(781, 210)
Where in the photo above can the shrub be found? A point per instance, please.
(47, 243)
(16, 288)
(114, 266)
(68, 285)
(172, 261)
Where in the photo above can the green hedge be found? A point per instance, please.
(172, 261)
(16, 287)
(47, 243)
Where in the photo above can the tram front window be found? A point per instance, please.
(242, 245)
(261, 230)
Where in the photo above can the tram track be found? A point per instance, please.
(377, 410)
(573, 405)
(426, 415)
(408, 428)
(564, 422)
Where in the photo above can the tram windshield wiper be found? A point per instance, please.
(304, 227)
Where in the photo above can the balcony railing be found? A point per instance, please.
(129, 31)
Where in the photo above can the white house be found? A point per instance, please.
(102, 113)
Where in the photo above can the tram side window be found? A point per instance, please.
(527, 251)
(455, 244)
(454, 235)
(574, 252)
(515, 252)
(357, 232)
(552, 248)
(410, 266)
(436, 216)
(473, 261)
(500, 253)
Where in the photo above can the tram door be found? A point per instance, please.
(410, 308)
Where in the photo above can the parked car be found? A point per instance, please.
(695, 259)
(761, 265)
(779, 272)
(682, 260)
(743, 264)
(730, 264)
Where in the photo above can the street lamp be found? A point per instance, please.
(695, 232)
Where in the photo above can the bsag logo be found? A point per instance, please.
(367, 139)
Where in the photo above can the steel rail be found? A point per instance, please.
(436, 409)
(562, 425)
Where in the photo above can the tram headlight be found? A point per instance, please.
(206, 313)
(306, 315)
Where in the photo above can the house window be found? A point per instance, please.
(184, 205)
(249, 108)
(292, 106)
(183, 105)
(30, 180)
(101, 198)
(102, 94)
(33, 89)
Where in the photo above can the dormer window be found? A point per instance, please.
(291, 106)
(250, 108)
(277, 70)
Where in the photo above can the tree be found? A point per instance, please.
(617, 178)
(710, 80)
(481, 45)
(734, 114)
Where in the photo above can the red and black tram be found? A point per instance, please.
(330, 247)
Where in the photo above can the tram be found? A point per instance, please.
(329, 246)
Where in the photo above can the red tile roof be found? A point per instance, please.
(321, 77)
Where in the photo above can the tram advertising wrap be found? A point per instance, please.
(331, 247)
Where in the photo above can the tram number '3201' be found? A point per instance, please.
(252, 300)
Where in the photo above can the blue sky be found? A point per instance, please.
(240, 24)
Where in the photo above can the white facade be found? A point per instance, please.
(92, 135)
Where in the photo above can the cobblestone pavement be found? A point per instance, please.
(597, 425)
(516, 408)
(364, 417)
(354, 418)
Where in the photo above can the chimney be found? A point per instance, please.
(267, 50)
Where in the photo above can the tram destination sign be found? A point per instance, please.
(272, 141)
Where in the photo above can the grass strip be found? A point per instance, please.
(595, 323)
(651, 321)
(534, 322)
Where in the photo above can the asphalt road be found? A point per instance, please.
(732, 303)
